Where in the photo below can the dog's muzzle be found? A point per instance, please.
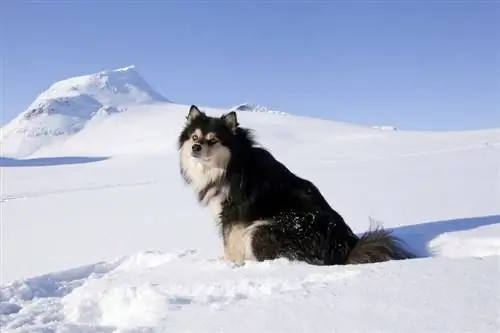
(196, 150)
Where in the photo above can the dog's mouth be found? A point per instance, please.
(199, 157)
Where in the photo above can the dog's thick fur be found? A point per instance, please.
(264, 210)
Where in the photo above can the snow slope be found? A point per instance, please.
(99, 233)
(68, 105)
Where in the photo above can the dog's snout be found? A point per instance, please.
(196, 148)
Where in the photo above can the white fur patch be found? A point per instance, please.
(200, 175)
(214, 201)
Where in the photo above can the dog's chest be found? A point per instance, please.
(203, 178)
(214, 198)
(201, 175)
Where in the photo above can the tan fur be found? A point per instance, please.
(211, 136)
(196, 136)
(238, 242)
(234, 245)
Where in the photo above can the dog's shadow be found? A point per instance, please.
(417, 237)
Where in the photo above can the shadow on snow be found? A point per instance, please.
(48, 161)
(418, 236)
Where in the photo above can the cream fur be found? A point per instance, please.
(238, 242)
(201, 174)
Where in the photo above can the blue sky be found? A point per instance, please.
(416, 66)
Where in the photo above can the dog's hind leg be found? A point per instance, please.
(271, 242)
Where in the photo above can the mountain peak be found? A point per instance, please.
(127, 68)
(67, 105)
(255, 108)
(110, 88)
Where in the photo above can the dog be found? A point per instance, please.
(263, 209)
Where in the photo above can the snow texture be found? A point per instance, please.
(100, 234)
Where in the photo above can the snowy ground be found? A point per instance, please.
(99, 234)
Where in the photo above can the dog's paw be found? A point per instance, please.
(231, 262)
(237, 264)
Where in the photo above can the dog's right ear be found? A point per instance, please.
(231, 120)
(194, 113)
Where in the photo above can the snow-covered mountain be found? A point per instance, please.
(68, 105)
(255, 108)
(387, 128)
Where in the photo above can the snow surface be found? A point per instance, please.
(99, 233)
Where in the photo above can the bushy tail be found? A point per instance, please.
(377, 245)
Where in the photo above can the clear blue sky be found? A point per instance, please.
(416, 66)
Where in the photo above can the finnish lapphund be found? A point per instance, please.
(264, 210)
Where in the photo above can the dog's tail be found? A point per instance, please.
(377, 245)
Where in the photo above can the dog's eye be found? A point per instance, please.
(194, 137)
(212, 141)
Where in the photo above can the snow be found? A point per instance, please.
(255, 108)
(387, 128)
(143, 294)
(100, 234)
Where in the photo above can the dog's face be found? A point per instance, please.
(205, 141)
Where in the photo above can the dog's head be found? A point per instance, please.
(206, 140)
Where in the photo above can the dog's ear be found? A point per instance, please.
(231, 120)
(194, 113)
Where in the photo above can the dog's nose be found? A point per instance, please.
(196, 148)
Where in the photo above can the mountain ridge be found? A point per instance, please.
(67, 105)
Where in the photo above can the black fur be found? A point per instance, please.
(303, 225)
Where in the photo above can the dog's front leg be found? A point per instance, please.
(234, 243)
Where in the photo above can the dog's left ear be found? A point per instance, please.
(231, 120)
